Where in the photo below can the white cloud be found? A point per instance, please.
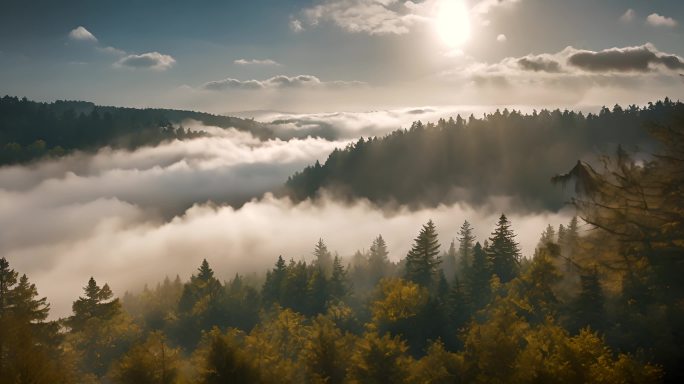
(384, 17)
(628, 16)
(151, 60)
(82, 34)
(657, 20)
(111, 51)
(266, 62)
(278, 82)
(501, 38)
(296, 26)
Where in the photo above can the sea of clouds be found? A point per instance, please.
(133, 217)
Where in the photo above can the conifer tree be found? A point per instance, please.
(273, 286)
(323, 257)
(449, 261)
(338, 281)
(97, 303)
(504, 253)
(466, 242)
(378, 262)
(422, 260)
(589, 307)
(477, 281)
(547, 237)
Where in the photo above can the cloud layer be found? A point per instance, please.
(265, 62)
(383, 17)
(128, 218)
(278, 82)
(574, 68)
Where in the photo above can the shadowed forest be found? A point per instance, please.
(599, 301)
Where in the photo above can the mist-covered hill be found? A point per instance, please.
(504, 154)
(31, 130)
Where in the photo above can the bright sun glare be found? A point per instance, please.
(452, 22)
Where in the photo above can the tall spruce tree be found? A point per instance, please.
(378, 262)
(466, 242)
(423, 258)
(324, 259)
(477, 281)
(273, 286)
(338, 280)
(449, 261)
(504, 253)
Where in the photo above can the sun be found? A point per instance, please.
(452, 22)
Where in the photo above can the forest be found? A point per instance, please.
(431, 164)
(32, 130)
(599, 301)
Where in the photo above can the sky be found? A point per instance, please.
(315, 56)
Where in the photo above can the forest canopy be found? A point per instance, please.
(504, 154)
(31, 130)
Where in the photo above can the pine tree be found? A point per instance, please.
(571, 239)
(26, 308)
(477, 281)
(378, 263)
(8, 278)
(323, 257)
(273, 286)
(589, 306)
(504, 253)
(338, 281)
(449, 261)
(466, 242)
(547, 237)
(318, 292)
(422, 260)
(95, 304)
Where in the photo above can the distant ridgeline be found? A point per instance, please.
(503, 154)
(31, 130)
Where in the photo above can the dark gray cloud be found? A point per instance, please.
(539, 64)
(629, 59)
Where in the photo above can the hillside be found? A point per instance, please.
(505, 154)
(31, 130)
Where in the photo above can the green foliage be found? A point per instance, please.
(488, 156)
(379, 360)
(223, 361)
(31, 130)
(150, 362)
(422, 260)
(503, 253)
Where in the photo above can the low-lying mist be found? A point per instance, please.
(127, 218)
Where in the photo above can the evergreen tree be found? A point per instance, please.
(339, 286)
(466, 242)
(273, 286)
(318, 292)
(477, 282)
(378, 262)
(422, 260)
(449, 261)
(547, 237)
(589, 306)
(504, 253)
(97, 303)
(323, 257)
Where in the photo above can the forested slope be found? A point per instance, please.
(502, 154)
(31, 130)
